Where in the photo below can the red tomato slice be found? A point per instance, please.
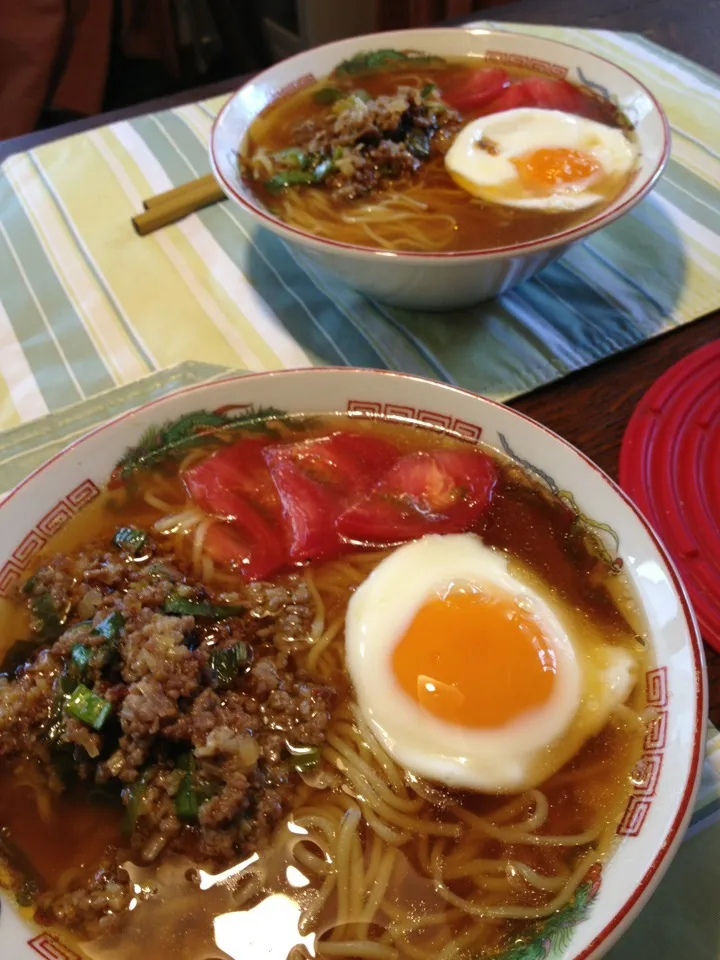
(477, 90)
(234, 485)
(317, 478)
(548, 94)
(444, 491)
(556, 95)
(511, 99)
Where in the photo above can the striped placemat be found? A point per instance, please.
(87, 305)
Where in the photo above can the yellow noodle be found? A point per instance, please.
(356, 948)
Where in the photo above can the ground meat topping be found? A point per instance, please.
(361, 145)
(126, 690)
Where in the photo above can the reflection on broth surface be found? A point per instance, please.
(235, 801)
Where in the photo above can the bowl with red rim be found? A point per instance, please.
(659, 802)
(442, 280)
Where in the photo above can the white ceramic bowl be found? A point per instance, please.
(440, 281)
(662, 802)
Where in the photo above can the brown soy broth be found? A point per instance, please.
(479, 225)
(523, 520)
(68, 833)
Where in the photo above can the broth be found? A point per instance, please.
(383, 899)
(423, 210)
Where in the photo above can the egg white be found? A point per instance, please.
(492, 176)
(589, 683)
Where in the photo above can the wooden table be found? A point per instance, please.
(590, 408)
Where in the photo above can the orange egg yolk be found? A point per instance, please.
(552, 167)
(475, 660)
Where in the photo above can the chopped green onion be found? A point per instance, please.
(289, 178)
(130, 539)
(225, 664)
(135, 795)
(418, 143)
(327, 95)
(427, 89)
(291, 156)
(49, 618)
(187, 801)
(361, 94)
(82, 657)
(111, 627)
(303, 758)
(293, 178)
(187, 607)
(88, 707)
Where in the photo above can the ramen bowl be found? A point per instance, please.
(662, 788)
(452, 279)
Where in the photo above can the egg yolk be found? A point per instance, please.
(474, 659)
(552, 167)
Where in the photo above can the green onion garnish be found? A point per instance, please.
(130, 539)
(187, 607)
(225, 664)
(111, 627)
(187, 801)
(88, 707)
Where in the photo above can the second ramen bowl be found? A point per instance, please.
(446, 280)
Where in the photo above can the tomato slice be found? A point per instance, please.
(477, 90)
(511, 99)
(316, 479)
(546, 93)
(234, 485)
(443, 491)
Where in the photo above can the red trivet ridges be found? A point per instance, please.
(670, 466)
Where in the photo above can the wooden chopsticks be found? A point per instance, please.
(177, 203)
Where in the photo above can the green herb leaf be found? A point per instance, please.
(187, 607)
(328, 95)
(88, 707)
(172, 439)
(427, 89)
(111, 627)
(225, 664)
(383, 60)
(130, 539)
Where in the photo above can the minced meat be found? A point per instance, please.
(362, 145)
(197, 753)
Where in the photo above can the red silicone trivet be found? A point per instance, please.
(670, 466)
